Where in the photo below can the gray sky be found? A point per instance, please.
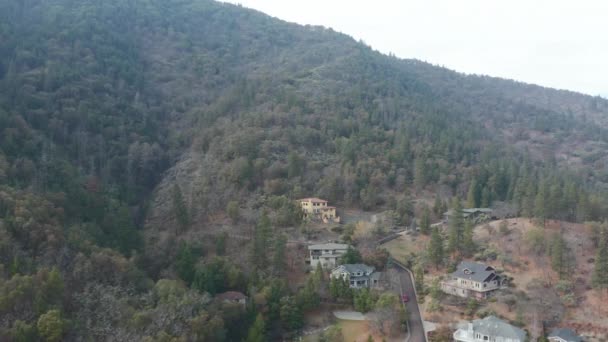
(559, 44)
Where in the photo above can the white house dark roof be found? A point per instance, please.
(475, 272)
(329, 246)
(565, 334)
(492, 326)
(313, 199)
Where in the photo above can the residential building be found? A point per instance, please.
(474, 214)
(472, 280)
(490, 329)
(564, 335)
(326, 254)
(232, 297)
(357, 275)
(317, 209)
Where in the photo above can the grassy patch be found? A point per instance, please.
(353, 330)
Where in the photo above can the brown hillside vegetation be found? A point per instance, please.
(585, 309)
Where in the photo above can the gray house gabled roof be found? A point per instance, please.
(475, 271)
(355, 268)
(565, 334)
(329, 246)
(493, 326)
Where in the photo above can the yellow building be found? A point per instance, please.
(317, 209)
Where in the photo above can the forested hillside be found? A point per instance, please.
(129, 126)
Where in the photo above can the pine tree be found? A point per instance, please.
(420, 173)
(419, 280)
(473, 195)
(184, 263)
(540, 204)
(468, 245)
(179, 208)
(436, 247)
(438, 206)
(279, 261)
(425, 221)
(600, 272)
(257, 332)
(557, 255)
(261, 242)
(486, 198)
(456, 227)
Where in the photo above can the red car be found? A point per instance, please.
(405, 298)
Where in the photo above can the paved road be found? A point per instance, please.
(415, 320)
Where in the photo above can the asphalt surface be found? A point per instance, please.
(414, 318)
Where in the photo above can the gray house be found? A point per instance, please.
(564, 335)
(490, 329)
(357, 275)
(472, 280)
(476, 215)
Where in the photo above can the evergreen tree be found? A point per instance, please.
(435, 249)
(184, 263)
(455, 227)
(232, 210)
(179, 208)
(291, 314)
(279, 260)
(425, 221)
(540, 203)
(438, 206)
(486, 198)
(419, 280)
(261, 241)
(558, 254)
(308, 298)
(352, 256)
(600, 272)
(420, 173)
(220, 243)
(257, 332)
(473, 199)
(468, 245)
(362, 300)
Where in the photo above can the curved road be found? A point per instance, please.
(407, 287)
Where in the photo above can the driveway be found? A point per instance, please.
(349, 315)
(414, 318)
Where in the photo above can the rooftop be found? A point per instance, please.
(329, 246)
(566, 334)
(312, 199)
(354, 268)
(493, 326)
(474, 271)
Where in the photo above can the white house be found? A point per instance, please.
(490, 329)
(326, 254)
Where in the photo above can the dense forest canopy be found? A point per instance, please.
(122, 119)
